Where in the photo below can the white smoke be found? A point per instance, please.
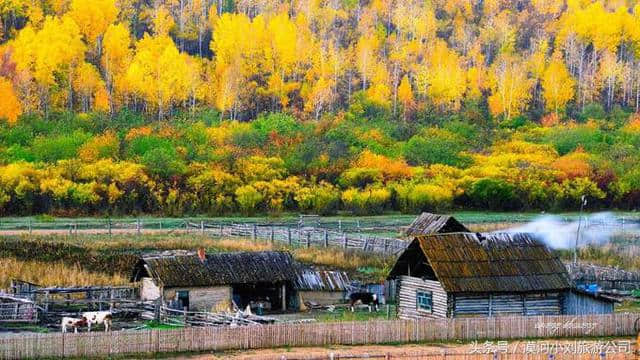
(595, 229)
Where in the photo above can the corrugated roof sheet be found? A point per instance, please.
(469, 262)
(427, 224)
(217, 269)
(319, 280)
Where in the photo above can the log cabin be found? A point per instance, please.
(467, 274)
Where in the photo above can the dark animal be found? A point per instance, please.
(366, 298)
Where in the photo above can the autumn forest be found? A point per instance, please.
(176, 107)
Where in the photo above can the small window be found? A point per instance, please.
(424, 301)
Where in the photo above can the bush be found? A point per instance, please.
(592, 111)
(322, 199)
(494, 194)
(435, 147)
(52, 149)
(248, 199)
(140, 145)
(278, 123)
(366, 202)
(100, 147)
(414, 198)
(360, 177)
(569, 139)
(163, 163)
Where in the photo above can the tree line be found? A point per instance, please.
(367, 106)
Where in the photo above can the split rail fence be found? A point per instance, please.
(100, 344)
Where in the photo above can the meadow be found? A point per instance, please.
(101, 259)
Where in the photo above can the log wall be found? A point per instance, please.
(506, 304)
(407, 305)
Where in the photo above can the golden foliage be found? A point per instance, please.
(10, 107)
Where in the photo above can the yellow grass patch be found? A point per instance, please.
(53, 274)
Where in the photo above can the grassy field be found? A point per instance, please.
(100, 259)
(471, 217)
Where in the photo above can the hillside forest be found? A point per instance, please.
(217, 107)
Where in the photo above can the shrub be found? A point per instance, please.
(571, 191)
(258, 168)
(322, 199)
(368, 201)
(435, 147)
(163, 163)
(248, 199)
(139, 145)
(102, 146)
(278, 123)
(54, 148)
(569, 139)
(360, 177)
(412, 198)
(494, 194)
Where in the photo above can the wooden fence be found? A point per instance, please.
(346, 235)
(98, 344)
(303, 236)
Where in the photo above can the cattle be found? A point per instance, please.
(98, 317)
(366, 298)
(75, 323)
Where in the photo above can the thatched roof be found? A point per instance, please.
(427, 224)
(468, 262)
(187, 270)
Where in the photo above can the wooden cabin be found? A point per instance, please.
(211, 282)
(468, 274)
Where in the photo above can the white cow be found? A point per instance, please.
(98, 317)
(75, 323)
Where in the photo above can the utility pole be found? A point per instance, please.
(583, 202)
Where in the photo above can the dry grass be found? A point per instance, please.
(492, 226)
(101, 247)
(53, 274)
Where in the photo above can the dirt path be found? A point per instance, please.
(614, 349)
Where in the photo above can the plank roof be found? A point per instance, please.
(228, 268)
(480, 263)
(428, 223)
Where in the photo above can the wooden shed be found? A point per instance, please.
(321, 287)
(211, 282)
(469, 274)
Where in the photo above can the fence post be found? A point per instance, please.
(326, 239)
(308, 239)
(109, 226)
(289, 235)
(30, 227)
(366, 242)
(202, 227)
(138, 226)
(221, 229)
(272, 235)
(255, 232)
(344, 240)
